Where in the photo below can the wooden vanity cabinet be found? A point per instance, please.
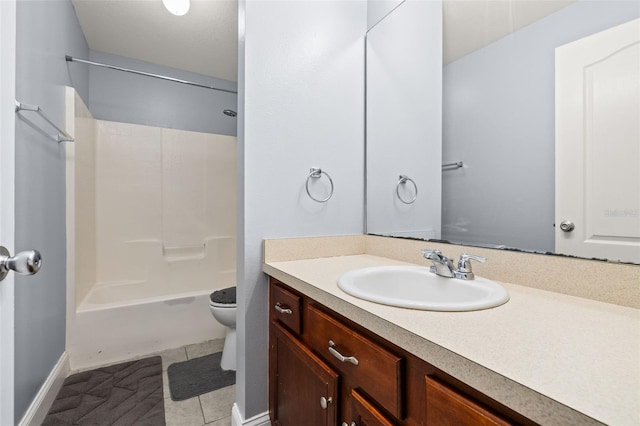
(385, 386)
(304, 390)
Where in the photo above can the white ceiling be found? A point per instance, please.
(205, 40)
(472, 24)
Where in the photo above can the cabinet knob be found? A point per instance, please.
(324, 402)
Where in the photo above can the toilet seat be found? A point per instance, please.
(225, 298)
(222, 305)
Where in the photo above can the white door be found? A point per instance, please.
(7, 177)
(598, 145)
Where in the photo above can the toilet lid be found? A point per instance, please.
(226, 296)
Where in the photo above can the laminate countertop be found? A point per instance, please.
(554, 358)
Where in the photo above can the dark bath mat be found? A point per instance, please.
(197, 376)
(124, 394)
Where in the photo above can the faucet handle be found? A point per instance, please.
(428, 254)
(464, 264)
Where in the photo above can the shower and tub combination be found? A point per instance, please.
(151, 220)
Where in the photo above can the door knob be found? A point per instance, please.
(567, 226)
(24, 263)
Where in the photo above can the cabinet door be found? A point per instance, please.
(303, 389)
(446, 406)
(365, 414)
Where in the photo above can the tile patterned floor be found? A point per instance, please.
(213, 408)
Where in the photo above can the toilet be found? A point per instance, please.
(223, 308)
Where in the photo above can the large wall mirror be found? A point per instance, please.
(506, 123)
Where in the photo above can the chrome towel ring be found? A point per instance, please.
(316, 173)
(402, 180)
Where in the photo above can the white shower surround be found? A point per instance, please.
(151, 219)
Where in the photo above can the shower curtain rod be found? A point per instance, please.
(147, 74)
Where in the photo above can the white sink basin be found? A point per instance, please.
(416, 288)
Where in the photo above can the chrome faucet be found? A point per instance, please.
(442, 264)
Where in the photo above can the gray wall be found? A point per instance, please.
(130, 98)
(498, 117)
(46, 31)
(302, 85)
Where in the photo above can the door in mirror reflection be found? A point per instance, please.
(598, 145)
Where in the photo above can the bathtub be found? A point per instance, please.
(151, 223)
(123, 320)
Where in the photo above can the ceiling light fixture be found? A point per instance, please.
(177, 7)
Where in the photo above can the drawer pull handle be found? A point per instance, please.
(282, 310)
(324, 402)
(332, 348)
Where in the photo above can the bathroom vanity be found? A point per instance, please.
(327, 368)
(542, 358)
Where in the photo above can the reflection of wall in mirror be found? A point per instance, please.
(404, 116)
(498, 117)
(378, 9)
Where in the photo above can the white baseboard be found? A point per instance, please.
(259, 420)
(47, 394)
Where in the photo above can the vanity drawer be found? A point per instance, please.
(365, 413)
(446, 406)
(285, 307)
(377, 371)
